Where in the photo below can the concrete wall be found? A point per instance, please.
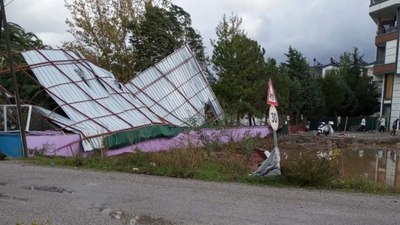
(395, 100)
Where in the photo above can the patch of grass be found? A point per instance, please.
(311, 171)
(229, 164)
(365, 185)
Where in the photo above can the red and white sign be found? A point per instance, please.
(271, 97)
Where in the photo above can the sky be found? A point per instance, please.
(319, 29)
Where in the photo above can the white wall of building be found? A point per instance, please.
(390, 54)
(395, 100)
(326, 69)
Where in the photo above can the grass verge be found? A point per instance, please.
(228, 164)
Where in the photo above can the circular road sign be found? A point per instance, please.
(273, 117)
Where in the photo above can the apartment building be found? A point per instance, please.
(386, 14)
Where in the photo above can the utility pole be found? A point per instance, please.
(14, 76)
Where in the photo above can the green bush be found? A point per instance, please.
(311, 171)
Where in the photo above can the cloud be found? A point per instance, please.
(318, 29)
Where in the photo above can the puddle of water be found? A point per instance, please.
(380, 164)
(46, 188)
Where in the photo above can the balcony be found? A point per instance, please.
(387, 34)
(374, 2)
(380, 68)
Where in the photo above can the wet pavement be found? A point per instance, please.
(74, 196)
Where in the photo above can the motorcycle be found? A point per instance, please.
(325, 128)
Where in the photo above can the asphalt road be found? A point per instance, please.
(74, 196)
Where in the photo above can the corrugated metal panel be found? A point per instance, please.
(90, 96)
(176, 89)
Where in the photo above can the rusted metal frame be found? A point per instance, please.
(97, 117)
(90, 97)
(170, 71)
(104, 134)
(188, 101)
(85, 64)
(155, 102)
(37, 65)
(206, 81)
(31, 100)
(101, 125)
(176, 88)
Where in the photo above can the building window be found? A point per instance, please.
(389, 86)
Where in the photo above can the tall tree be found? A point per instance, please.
(305, 95)
(161, 31)
(21, 40)
(101, 29)
(362, 97)
(240, 67)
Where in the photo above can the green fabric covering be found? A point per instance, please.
(122, 139)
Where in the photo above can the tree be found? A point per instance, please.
(21, 40)
(160, 32)
(240, 67)
(363, 95)
(305, 95)
(101, 29)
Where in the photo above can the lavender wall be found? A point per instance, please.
(53, 143)
(194, 138)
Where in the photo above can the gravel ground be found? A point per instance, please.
(74, 196)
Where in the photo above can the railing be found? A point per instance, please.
(388, 30)
(374, 2)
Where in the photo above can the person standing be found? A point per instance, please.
(363, 123)
(394, 127)
(382, 124)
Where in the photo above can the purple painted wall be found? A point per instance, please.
(53, 143)
(194, 138)
(58, 144)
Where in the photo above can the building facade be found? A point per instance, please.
(386, 14)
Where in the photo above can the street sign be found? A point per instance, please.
(273, 117)
(271, 97)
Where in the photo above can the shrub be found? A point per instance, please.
(181, 162)
(311, 171)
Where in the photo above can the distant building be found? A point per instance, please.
(322, 69)
(385, 14)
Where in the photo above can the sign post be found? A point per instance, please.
(271, 166)
(274, 122)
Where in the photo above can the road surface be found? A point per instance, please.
(73, 196)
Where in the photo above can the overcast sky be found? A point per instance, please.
(318, 28)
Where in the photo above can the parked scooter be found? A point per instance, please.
(326, 129)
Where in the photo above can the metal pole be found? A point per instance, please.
(14, 76)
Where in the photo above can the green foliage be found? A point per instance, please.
(161, 31)
(241, 70)
(29, 89)
(311, 171)
(305, 95)
(349, 91)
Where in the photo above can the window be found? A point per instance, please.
(389, 86)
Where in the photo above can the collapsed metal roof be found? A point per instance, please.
(172, 92)
(176, 90)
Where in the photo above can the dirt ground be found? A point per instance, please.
(310, 141)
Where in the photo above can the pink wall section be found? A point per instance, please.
(50, 143)
(194, 138)
(68, 145)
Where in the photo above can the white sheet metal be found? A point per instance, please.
(94, 101)
(176, 89)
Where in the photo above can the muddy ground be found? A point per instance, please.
(310, 141)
